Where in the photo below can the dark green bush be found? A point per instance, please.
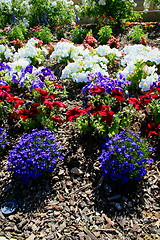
(78, 34)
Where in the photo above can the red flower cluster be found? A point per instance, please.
(97, 90)
(31, 110)
(6, 95)
(26, 113)
(89, 42)
(17, 43)
(113, 42)
(143, 100)
(118, 95)
(74, 112)
(152, 128)
(102, 110)
(50, 48)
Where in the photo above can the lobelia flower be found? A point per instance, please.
(3, 140)
(124, 157)
(36, 153)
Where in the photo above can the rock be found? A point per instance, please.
(76, 171)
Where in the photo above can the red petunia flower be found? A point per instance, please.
(117, 94)
(137, 104)
(105, 112)
(16, 101)
(59, 104)
(152, 129)
(48, 103)
(56, 118)
(22, 113)
(41, 91)
(74, 112)
(97, 90)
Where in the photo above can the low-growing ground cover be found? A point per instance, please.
(47, 85)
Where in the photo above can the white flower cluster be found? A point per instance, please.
(79, 70)
(104, 50)
(29, 51)
(62, 50)
(6, 53)
(140, 52)
(81, 61)
(137, 53)
(24, 55)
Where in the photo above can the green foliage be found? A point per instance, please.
(3, 40)
(45, 35)
(122, 119)
(154, 3)
(78, 34)
(136, 33)
(13, 11)
(116, 9)
(155, 106)
(45, 12)
(136, 76)
(104, 34)
(19, 31)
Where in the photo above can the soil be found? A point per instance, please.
(76, 202)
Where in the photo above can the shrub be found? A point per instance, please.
(51, 13)
(113, 9)
(19, 31)
(78, 34)
(35, 154)
(124, 157)
(104, 34)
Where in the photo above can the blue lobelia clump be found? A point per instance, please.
(35, 154)
(124, 157)
(3, 140)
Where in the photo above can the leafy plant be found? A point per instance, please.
(78, 34)
(44, 34)
(136, 75)
(18, 31)
(124, 157)
(104, 34)
(136, 33)
(36, 153)
(104, 109)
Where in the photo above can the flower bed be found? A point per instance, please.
(99, 99)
